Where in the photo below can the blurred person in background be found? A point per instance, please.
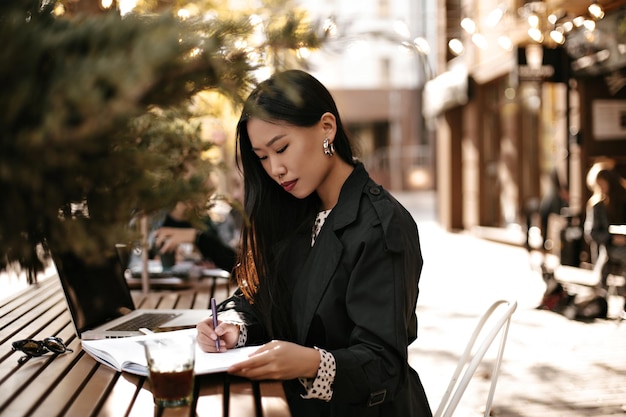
(175, 230)
(607, 207)
(554, 201)
(228, 213)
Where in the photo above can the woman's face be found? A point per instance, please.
(293, 156)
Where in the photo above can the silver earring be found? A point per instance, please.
(329, 148)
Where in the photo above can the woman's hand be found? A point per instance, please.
(228, 334)
(279, 360)
(167, 239)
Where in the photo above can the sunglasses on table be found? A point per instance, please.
(35, 348)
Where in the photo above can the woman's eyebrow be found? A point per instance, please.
(271, 141)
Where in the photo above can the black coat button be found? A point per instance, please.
(374, 190)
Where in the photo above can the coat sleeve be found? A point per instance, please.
(384, 270)
(238, 310)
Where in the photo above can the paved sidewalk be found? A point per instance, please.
(552, 366)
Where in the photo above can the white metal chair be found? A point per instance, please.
(469, 361)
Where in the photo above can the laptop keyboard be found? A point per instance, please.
(147, 320)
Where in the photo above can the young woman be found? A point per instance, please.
(330, 265)
(608, 207)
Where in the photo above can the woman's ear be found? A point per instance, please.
(329, 124)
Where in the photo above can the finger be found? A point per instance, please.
(221, 329)
(206, 337)
(248, 373)
(263, 348)
(205, 343)
(256, 359)
(253, 370)
(209, 346)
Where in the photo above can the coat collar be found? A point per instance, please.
(347, 207)
(319, 263)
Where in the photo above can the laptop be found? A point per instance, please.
(101, 305)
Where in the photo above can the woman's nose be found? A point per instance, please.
(277, 170)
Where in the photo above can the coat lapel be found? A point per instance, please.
(314, 277)
(319, 266)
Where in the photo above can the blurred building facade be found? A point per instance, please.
(544, 88)
(376, 66)
(478, 99)
(506, 92)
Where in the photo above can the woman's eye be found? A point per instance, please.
(262, 158)
(281, 150)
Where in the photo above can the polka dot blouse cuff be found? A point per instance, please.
(320, 388)
(243, 335)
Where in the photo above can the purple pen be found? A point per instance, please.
(214, 313)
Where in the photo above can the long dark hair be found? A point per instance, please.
(615, 199)
(299, 99)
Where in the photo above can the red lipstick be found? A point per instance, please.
(288, 185)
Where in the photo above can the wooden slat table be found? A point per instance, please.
(74, 384)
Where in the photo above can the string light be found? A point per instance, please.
(495, 16)
(557, 36)
(595, 10)
(456, 46)
(468, 25)
(551, 27)
(479, 40)
(505, 43)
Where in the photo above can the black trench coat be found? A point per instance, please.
(354, 295)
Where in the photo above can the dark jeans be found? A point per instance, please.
(615, 264)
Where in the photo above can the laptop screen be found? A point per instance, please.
(95, 294)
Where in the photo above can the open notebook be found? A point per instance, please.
(128, 355)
